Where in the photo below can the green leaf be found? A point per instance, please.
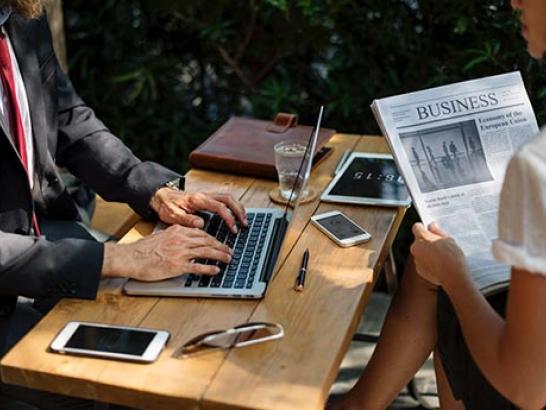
(280, 4)
(476, 61)
(461, 26)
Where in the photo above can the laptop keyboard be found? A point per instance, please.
(248, 246)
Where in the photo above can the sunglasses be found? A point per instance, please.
(239, 336)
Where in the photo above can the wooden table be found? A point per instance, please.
(293, 373)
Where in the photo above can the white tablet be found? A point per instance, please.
(368, 179)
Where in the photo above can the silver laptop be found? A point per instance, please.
(255, 249)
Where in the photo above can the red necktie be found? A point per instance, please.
(18, 132)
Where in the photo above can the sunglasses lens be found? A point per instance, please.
(254, 333)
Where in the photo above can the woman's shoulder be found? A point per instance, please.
(522, 213)
(530, 159)
(534, 150)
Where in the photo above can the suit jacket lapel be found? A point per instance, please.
(6, 135)
(25, 51)
(4, 16)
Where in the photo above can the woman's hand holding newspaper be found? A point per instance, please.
(438, 258)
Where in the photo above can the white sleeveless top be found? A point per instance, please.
(522, 213)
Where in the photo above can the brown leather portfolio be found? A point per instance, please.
(245, 145)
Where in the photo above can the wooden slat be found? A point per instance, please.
(292, 373)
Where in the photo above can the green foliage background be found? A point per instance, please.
(164, 74)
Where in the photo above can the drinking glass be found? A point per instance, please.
(288, 161)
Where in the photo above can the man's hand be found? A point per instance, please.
(165, 255)
(438, 258)
(179, 207)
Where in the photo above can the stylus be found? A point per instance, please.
(342, 161)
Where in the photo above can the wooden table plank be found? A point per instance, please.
(335, 295)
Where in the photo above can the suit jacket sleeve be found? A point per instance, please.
(45, 269)
(35, 267)
(88, 149)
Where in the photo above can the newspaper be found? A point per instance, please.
(452, 144)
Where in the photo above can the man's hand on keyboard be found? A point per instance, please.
(179, 207)
(166, 254)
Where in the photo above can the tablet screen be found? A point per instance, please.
(375, 178)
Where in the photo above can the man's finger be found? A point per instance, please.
(208, 241)
(206, 252)
(177, 215)
(235, 206)
(200, 269)
(193, 237)
(221, 209)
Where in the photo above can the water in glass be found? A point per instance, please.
(288, 159)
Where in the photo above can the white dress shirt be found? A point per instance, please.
(22, 101)
(522, 212)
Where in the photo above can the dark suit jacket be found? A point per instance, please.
(67, 134)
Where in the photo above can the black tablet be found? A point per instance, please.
(368, 179)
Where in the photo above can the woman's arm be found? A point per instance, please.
(511, 353)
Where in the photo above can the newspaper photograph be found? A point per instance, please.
(452, 145)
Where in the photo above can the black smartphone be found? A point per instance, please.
(322, 154)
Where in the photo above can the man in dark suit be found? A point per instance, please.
(44, 124)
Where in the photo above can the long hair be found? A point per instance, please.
(27, 8)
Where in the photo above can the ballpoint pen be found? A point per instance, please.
(300, 281)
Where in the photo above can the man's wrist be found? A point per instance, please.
(111, 266)
(108, 260)
(175, 185)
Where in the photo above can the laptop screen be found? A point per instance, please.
(304, 173)
(295, 224)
